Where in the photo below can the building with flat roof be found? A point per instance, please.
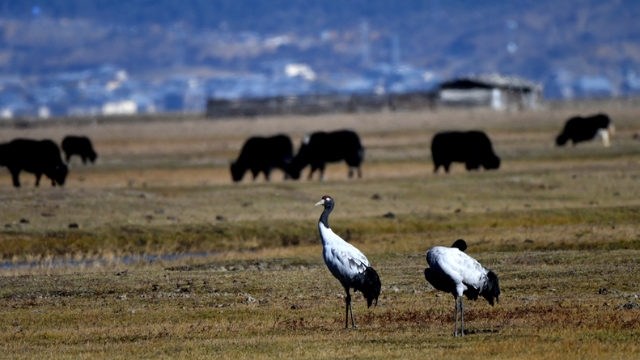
(494, 91)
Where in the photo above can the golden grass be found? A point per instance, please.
(292, 307)
(558, 226)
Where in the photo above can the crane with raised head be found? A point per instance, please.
(347, 263)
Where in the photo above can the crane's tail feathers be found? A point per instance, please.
(492, 288)
(427, 275)
(368, 283)
(471, 292)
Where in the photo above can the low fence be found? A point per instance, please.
(319, 104)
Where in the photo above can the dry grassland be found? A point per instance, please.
(172, 260)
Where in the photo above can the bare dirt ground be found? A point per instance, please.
(558, 226)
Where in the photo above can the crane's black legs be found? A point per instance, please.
(347, 300)
(455, 326)
(353, 323)
(348, 308)
(461, 317)
(455, 323)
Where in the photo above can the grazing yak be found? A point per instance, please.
(38, 157)
(79, 145)
(579, 129)
(472, 148)
(261, 154)
(321, 147)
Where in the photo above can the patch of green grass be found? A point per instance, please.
(254, 235)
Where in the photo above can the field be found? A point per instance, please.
(152, 252)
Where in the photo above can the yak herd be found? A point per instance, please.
(263, 154)
(473, 148)
(43, 157)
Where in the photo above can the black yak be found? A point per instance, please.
(321, 147)
(38, 157)
(472, 148)
(579, 129)
(79, 145)
(262, 154)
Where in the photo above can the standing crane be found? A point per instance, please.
(451, 270)
(347, 263)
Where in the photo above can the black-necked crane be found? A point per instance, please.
(347, 263)
(451, 270)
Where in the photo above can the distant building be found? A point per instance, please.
(302, 70)
(124, 107)
(493, 91)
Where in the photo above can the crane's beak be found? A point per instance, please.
(321, 202)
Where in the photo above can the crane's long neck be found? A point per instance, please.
(324, 218)
(326, 235)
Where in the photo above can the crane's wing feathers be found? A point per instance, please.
(349, 262)
(460, 267)
(340, 248)
(343, 259)
(353, 271)
(349, 265)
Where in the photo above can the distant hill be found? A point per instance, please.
(540, 40)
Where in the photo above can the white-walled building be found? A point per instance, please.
(494, 91)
